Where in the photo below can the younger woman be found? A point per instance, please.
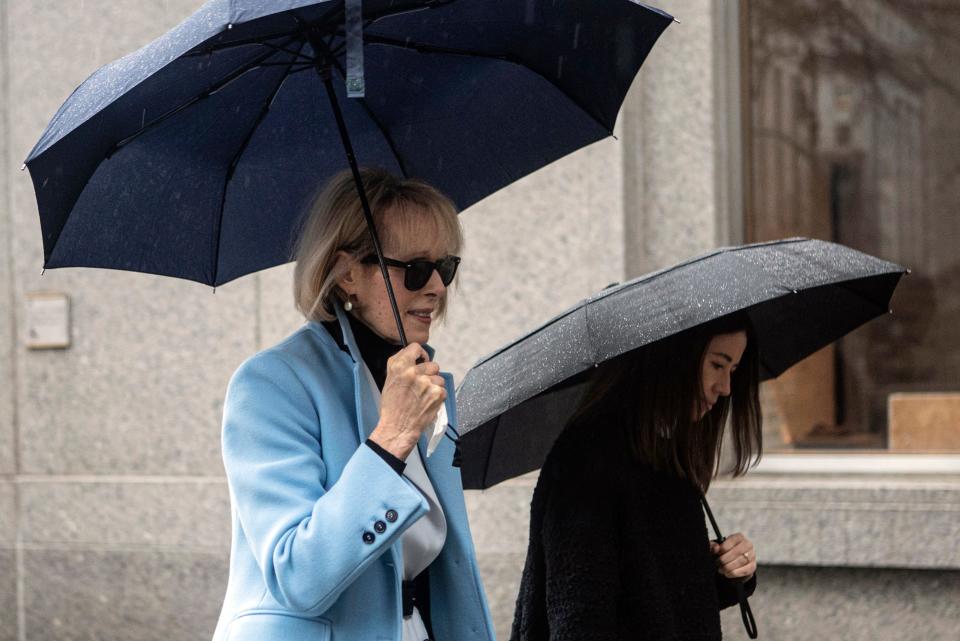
(618, 542)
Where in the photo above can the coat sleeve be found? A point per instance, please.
(727, 590)
(581, 555)
(309, 542)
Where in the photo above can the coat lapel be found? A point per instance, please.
(364, 399)
(444, 477)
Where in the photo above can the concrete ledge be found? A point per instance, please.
(848, 604)
(881, 522)
(863, 462)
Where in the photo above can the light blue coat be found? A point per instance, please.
(303, 493)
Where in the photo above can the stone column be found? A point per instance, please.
(680, 188)
(8, 489)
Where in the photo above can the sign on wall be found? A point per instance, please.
(48, 320)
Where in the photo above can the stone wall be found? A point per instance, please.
(814, 604)
(115, 520)
(114, 514)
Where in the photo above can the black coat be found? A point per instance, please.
(617, 551)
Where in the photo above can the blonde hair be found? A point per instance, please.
(335, 222)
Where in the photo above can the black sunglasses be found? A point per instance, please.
(418, 272)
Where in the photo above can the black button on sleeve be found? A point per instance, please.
(391, 516)
(368, 537)
(379, 527)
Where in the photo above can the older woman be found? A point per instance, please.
(343, 528)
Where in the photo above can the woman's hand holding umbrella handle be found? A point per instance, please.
(412, 395)
(735, 556)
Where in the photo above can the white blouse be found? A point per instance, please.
(422, 541)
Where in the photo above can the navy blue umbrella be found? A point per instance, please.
(195, 156)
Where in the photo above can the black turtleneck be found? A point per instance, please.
(375, 351)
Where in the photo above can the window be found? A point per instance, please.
(852, 134)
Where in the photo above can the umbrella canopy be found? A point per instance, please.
(800, 296)
(195, 156)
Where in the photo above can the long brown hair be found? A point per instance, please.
(650, 392)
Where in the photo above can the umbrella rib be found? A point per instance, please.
(370, 20)
(255, 40)
(302, 25)
(233, 75)
(231, 168)
(388, 13)
(298, 53)
(302, 69)
(307, 65)
(502, 57)
(383, 130)
(882, 307)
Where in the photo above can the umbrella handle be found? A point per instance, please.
(746, 614)
(324, 71)
(457, 454)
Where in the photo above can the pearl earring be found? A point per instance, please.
(348, 305)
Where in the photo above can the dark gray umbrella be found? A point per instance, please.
(800, 295)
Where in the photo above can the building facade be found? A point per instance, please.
(750, 120)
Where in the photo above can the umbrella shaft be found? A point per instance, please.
(713, 522)
(365, 205)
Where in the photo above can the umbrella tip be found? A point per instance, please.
(909, 271)
(23, 166)
(43, 271)
(229, 26)
(675, 20)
